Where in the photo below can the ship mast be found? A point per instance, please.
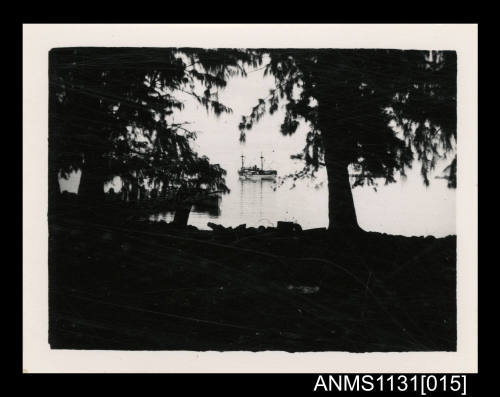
(261, 161)
(242, 157)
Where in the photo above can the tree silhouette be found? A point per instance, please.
(110, 114)
(374, 110)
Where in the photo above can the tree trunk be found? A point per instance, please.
(134, 191)
(181, 216)
(339, 151)
(341, 211)
(91, 187)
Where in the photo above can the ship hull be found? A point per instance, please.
(257, 177)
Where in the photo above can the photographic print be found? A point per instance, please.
(252, 198)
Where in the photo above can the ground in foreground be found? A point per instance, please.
(150, 286)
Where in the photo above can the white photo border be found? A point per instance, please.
(38, 39)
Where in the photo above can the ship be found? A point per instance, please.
(255, 173)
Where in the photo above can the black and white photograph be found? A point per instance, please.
(253, 198)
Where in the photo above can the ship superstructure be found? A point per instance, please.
(255, 173)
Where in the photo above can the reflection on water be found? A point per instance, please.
(261, 202)
(408, 208)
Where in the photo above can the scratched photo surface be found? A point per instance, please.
(223, 199)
